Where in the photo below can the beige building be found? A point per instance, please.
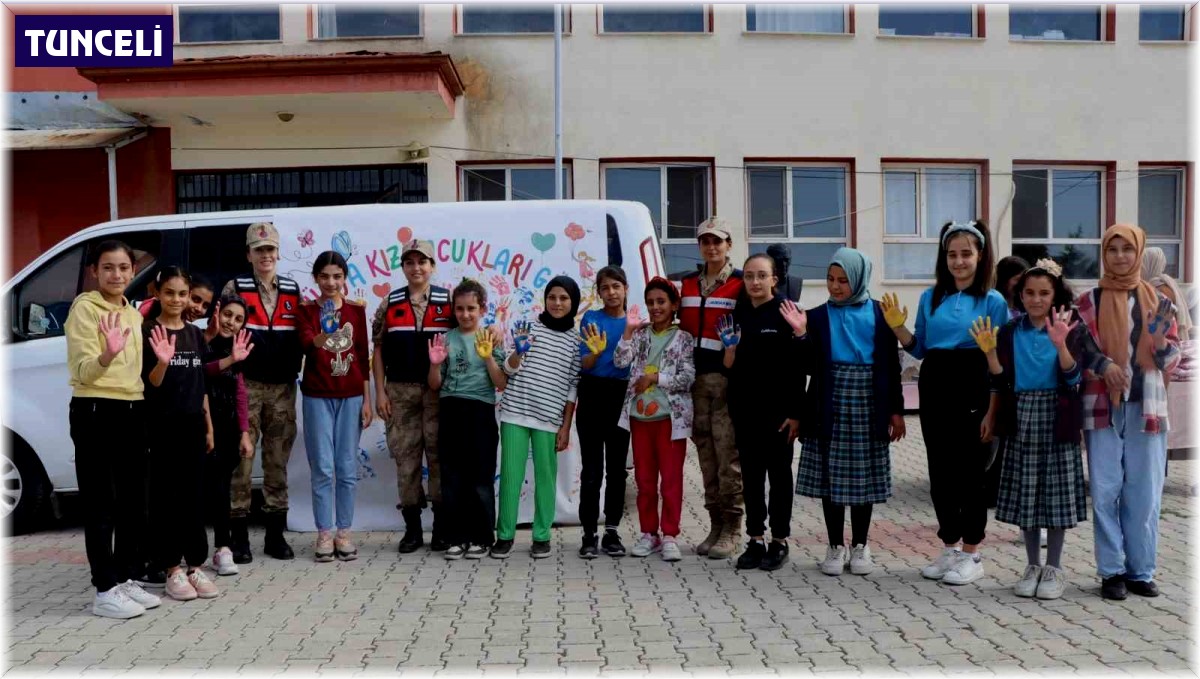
(816, 126)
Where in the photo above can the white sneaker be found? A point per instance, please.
(222, 562)
(860, 560)
(476, 552)
(944, 562)
(965, 571)
(455, 552)
(646, 545)
(116, 604)
(1052, 584)
(670, 550)
(1028, 584)
(135, 592)
(835, 560)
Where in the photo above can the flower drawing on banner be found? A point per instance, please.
(574, 231)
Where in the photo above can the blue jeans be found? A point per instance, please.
(332, 427)
(1126, 469)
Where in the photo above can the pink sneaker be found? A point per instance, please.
(323, 550)
(204, 588)
(178, 587)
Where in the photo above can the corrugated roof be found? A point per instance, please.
(33, 140)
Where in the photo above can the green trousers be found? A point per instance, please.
(514, 451)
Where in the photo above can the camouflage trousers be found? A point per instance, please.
(273, 414)
(412, 434)
(712, 432)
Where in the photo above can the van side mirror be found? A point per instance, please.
(36, 322)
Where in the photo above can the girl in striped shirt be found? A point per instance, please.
(537, 406)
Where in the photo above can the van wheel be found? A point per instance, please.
(24, 489)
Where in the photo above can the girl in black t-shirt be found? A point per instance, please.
(180, 435)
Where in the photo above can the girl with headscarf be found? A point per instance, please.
(1125, 412)
(761, 356)
(537, 407)
(1154, 270)
(852, 410)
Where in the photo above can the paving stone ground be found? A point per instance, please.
(420, 614)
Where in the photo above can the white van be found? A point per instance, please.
(513, 248)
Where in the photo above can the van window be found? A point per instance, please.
(615, 258)
(218, 253)
(56, 284)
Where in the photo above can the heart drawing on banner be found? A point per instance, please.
(381, 290)
(404, 235)
(542, 241)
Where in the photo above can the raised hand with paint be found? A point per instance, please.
(522, 336)
(729, 332)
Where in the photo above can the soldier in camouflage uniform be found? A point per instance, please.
(272, 307)
(403, 327)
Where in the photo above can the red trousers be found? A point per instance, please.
(656, 456)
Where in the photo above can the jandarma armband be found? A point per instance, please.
(969, 227)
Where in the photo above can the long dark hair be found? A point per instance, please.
(106, 246)
(330, 257)
(617, 274)
(165, 274)
(1006, 268)
(984, 274)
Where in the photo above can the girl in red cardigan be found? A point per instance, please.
(336, 383)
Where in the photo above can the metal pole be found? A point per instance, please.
(112, 181)
(558, 162)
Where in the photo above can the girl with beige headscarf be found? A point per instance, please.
(1125, 412)
(1154, 270)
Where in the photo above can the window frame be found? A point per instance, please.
(464, 166)
(708, 24)
(1108, 28)
(1187, 28)
(314, 25)
(788, 164)
(978, 28)
(178, 25)
(662, 164)
(1107, 207)
(847, 18)
(981, 169)
(1183, 239)
(459, 23)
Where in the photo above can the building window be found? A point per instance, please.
(917, 201)
(1161, 208)
(1055, 22)
(802, 206)
(796, 18)
(679, 197)
(228, 23)
(1059, 213)
(492, 182)
(256, 189)
(943, 21)
(654, 19)
(1162, 22)
(364, 21)
(502, 18)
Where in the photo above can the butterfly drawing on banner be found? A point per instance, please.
(306, 239)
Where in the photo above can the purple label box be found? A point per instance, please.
(132, 40)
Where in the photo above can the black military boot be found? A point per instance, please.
(239, 538)
(437, 541)
(275, 545)
(413, 539)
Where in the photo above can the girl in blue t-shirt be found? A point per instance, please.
(602, 444)
(958, 409)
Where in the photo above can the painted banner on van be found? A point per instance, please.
(511, 249)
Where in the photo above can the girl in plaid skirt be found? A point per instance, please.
(1035, 364)
(853, 408)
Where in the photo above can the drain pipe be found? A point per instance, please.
(111, 150)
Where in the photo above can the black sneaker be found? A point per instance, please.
(411, 541)
(777, 555)
(753, 556)
(153, 578)
(437, 544)
(611, 544)
(1142, 587)
(501, 549)
(540, 550)
(588, 550)
(1113, 588)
